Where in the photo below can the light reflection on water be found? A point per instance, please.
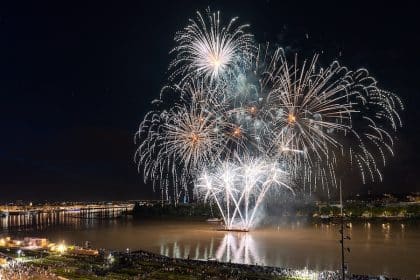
(376, 247)
(234, 247)
(38, 221)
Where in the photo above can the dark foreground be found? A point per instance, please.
(145, 265)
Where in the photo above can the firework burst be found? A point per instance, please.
(238, 187)
(242, 120)
(207, 49)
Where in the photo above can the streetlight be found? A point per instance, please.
(342, 236)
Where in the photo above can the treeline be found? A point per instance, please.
(359, 210)
(309, 210)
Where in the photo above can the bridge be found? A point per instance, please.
(81, 208)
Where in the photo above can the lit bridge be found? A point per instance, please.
(94, 209)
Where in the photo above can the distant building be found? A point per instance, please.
(4, 259)
(367, 214)
(414, 197)
(83, 251)
(35, 242)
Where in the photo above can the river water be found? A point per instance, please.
(376, 248)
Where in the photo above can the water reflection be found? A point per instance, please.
(233, 247)
(238, 248)
(375, 246)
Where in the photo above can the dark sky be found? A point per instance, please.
(76, 80)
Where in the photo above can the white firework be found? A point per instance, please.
(322, 114)
(241, 121)
(206, 49)
(238, 188)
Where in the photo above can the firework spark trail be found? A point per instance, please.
(238, 188)
(240, 120)
(209, 50)
(316, 109)
(187, 133)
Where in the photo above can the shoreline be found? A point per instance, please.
(142, 264)
(308, 218)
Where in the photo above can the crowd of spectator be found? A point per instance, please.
(219, 270)
(146, 265)
(24, 271)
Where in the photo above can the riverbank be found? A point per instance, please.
(352, 211)
(141, 265)
(146, 265)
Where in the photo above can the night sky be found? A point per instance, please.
(76, 80)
